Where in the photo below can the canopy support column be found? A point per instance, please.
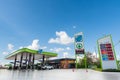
(33, 61)
(29, 62)
(21, 60)
(26, 60)
(43, 62)
(15, 61)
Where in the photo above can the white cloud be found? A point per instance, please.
(65, 54)
(51, 49)
(57, 50)
(5, 53)
(62, 38)
(118, 57)
(34, 45)
(43, 47)
(74, 27)
(68, 48)
(52, 58)
(10, 47)
(95, 54)
(21, 47)
(13, 51)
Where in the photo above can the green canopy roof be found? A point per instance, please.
(23, 50)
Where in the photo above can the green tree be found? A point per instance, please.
(89, 61)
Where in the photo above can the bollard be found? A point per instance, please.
(73, 70)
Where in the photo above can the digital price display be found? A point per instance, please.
(106, 51)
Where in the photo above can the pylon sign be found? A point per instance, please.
(107, 53)
(79, 45)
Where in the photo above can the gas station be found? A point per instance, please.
(27, 57)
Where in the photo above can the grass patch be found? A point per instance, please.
(97, 69)
(111, 70)
(106, 70)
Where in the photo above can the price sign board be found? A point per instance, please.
(107, 53)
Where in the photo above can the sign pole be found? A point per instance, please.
(76, 61)
(85, 55)
(75, 56)
(85, 61)
(114, 50)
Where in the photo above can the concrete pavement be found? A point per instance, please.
(58, 74)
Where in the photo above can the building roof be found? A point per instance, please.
(26, 50)
(61, 59)
(67, 59)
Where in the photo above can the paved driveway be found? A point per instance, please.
(58, 74)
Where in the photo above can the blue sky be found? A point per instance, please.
(28, 23)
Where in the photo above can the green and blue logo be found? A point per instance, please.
(78, 38)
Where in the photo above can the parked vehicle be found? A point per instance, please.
(39, 67)
(47, 67)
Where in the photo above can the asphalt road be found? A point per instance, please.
(58, 74)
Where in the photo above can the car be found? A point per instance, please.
(47, 67)
(39, 67)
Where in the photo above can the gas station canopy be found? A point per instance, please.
(26, 51)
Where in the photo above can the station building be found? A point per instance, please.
(63, 63)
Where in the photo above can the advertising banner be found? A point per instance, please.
(107, 53)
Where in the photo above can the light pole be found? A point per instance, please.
(118, 63)
(117, 43)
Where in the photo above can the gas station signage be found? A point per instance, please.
(107, 53)
(79, 47)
